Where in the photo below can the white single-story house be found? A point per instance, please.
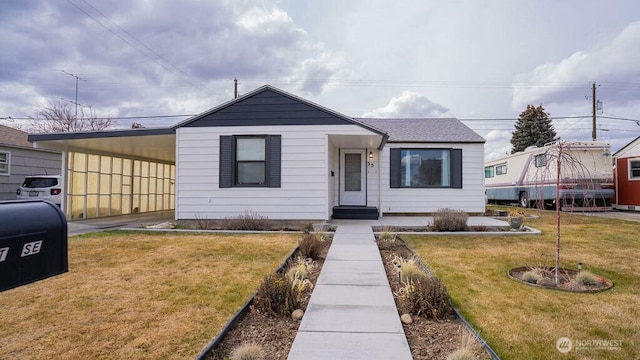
(272, 153)
(18, 159)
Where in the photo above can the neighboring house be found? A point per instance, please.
(277, 155)
(626, 172)
(272, 153)
(19, 158)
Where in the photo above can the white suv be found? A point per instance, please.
(45, 187)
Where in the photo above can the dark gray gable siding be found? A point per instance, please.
(268, 108)
(227, 161)
(394, 168)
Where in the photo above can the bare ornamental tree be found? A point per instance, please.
(59, 117)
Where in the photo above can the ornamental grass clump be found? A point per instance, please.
(530, 277)
(248, 351)
(450, 220)
(387, 234)
(428, 297)
(468, 348)
(277, 295)
(300, 268)
(249, 220)
(408, 269)
(586, 278)
(311, 246)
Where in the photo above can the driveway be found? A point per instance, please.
(77, 227)
(622, 215)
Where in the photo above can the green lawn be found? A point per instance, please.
(524, 322)
(132, 295)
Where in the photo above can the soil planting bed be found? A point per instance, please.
(428, 339)
(274, 334)
(545, 278)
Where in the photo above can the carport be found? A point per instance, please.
(115, 172)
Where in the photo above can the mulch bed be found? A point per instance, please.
(274, 334)
(566, 279)
(428, 339)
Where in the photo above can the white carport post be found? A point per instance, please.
(65, 168)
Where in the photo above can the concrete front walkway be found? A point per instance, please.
(351, 313)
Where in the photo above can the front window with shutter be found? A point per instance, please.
(250, 160)
(426, 168)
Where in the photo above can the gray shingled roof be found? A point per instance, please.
(13, 137)
(424, 130)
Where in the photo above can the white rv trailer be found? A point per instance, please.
(530, 176)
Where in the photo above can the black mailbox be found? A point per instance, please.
(33, 242)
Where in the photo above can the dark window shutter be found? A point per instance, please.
(456, 168)
(274, 154)
(394, 168)
(226, 161)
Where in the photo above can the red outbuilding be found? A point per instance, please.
(626, 172)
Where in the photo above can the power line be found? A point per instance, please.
(158, 59)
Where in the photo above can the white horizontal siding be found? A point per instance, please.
(304, 191)
(404, 200)
(373, 179)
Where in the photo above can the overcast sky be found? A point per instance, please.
(471, 59)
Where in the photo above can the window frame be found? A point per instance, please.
(542, 163)
(227, 161)
(492, 172)
(631, 169)
(237, 162)
(7, 162)
(455, 168)
(499, 168)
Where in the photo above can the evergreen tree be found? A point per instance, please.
(532, 128)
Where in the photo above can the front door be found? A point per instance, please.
(353, 177)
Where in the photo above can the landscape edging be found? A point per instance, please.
(475, 333)
(243, 310)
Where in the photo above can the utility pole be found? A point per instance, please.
(593, 98)
(77, 78)
(235, 88)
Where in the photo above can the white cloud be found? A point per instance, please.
(498, 144)
(154, 58)
(409, 104)
(613, 63)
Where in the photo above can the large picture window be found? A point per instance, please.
(5, 158)
(250, 161)
(426, 168)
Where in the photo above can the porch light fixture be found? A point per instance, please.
(370, 154)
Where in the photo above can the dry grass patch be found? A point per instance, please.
(138, 295)
(523, 322)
